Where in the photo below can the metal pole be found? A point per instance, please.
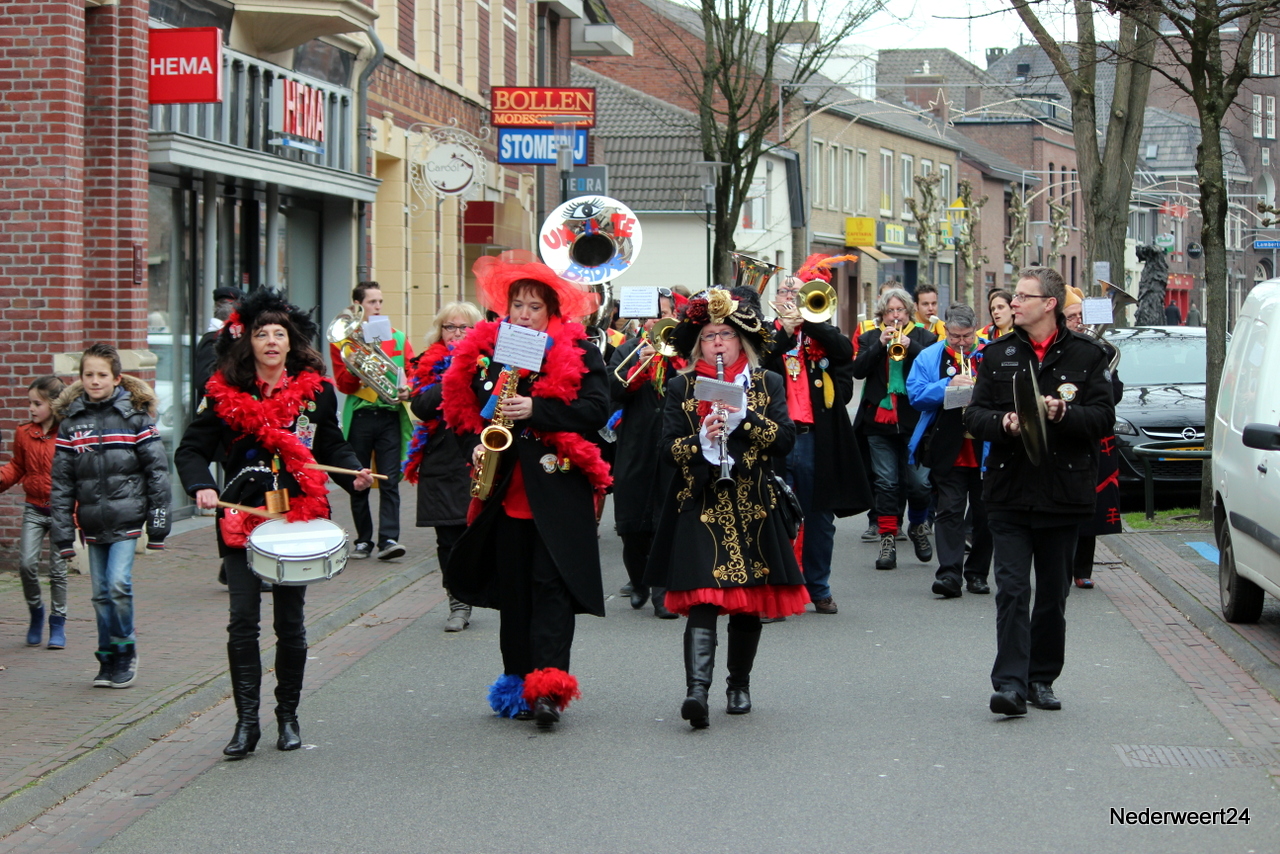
(709, 266)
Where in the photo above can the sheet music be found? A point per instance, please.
(638, 303)
(957, 396)
(520, 347)
(1096, 311)
(376, 328)
(718, 391)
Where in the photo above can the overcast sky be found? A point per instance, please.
(968, 28)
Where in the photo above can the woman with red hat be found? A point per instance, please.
(529, 549)
(723, 548)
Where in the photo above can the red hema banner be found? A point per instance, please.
(186, 66)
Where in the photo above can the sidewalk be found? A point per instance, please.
(61, 733)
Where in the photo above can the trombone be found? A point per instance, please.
(815, 303)
(660, 338)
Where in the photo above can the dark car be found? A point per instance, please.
(1163, 370)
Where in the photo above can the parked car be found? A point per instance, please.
(1163, 369)
(1246, 459)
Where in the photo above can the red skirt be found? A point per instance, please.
(766, 600)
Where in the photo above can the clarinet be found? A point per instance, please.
(726, 476)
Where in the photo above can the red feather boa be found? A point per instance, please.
(562, 371)
(554, 684)
(428, 372)
(269, 421)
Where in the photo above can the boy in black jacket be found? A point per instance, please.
(110, 475)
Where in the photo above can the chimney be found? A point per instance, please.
(926, 91)
(994, 54)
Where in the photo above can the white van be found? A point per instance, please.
(1246, 459)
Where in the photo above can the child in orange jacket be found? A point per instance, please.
(32, 464)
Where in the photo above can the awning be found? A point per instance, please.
(874, 253)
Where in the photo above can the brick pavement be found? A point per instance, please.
(61, 733)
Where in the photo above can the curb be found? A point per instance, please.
(1204, 618)
(29, 803)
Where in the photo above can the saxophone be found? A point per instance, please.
(495, 439)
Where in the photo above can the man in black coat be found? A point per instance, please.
(887, 419)
(824, 467)
(640, 481)
(205, 361)
(1034, 510)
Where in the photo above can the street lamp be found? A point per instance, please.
(564, 136)
(708, 202)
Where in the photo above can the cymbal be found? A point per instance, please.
(1033, 421)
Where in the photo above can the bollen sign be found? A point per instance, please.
(185, 66)
(534, 107)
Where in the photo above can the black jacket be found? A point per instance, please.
(444, 479)
(840, 482)
(871, 365)
(563, 502)
(110, 470)
(246, 464)
(1064, 484)
(709, 536)
(640, 481)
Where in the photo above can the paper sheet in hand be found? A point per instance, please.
(719, 391)
(638, 303)
(521, 347)
(1096, 310)
(376, 328)
(957, 396)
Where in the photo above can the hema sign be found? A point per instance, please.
(185, 66)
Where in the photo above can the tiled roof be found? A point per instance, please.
(884, 114)
(1175, 138)
(893, 67)
(649, 145)
(1040, 78)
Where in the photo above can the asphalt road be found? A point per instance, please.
(870, 733)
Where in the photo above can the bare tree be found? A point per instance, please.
(964, 239)
(1196, 59)
(1017, 241)
(925, 213)
(1059, 230)
(1106, 168)
(752, 58)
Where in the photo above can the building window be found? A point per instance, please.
(1235, 231)
(886, 183)
(815, 174)
(1257, 116)
(908, 186)
(860, 203)
(1075, 192)
(1051, 188)
(768, 193)
(1271, 117)
(926, 167)
(1263, 62)
(850, 190)
(753, 213)
(833, 176)
(944, 185)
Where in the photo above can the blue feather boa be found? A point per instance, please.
(506, 696)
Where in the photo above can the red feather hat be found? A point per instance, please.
(818, 266)
(495, 276)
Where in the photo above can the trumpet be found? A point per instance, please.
(660, 339)
(898, 345)
(816, 301)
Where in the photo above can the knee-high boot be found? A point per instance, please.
(246, 688)
(290, 664)
(699, 661)
(742, 655)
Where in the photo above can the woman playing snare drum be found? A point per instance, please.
(269, 412)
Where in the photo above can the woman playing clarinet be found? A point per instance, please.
(721, 546)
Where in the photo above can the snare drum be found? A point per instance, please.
(295, 553)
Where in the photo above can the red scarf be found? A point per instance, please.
(560, 379)
(431, 367)
(703, 368)
(269, 421)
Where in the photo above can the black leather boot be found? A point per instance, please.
(742, 654)
(699, 661)
(246, 688)
(660, 609)
(290, 664)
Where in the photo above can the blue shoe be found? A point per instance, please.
(57, 632)
(36, 631)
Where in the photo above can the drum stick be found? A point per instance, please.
(256, 511)
(337, 470)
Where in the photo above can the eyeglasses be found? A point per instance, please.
(723, 335)
(790, 292)
(455, 327)
(1025, 297)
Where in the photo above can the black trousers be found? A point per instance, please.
(1082, 566)
(1030, 646)
(958, 488)
(635, 555)
(447, 537)
(245, 592)
(375, 431)
(535, 603)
